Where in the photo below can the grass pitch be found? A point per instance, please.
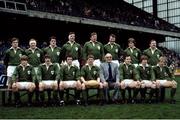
(120, 111)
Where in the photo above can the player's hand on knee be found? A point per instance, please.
(85, 82)
(122, 85)
(143, 85)
(174, 84)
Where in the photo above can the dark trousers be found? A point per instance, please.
(111, 85)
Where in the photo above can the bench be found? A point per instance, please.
(4, 89)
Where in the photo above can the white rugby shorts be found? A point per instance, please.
(10, 70)
(24, 85)
(70, 84)
(49, 83)
(161, 82)
(127, 82)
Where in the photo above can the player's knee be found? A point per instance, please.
(55, 86)
(138, 84)
(83, 86)
(148, 85)
(78, 85)
(50, 86)
(14, 87)
(105, 85)
(133, 85)
(153, 86)
(31, 87)
(100, 85)
(61, 86)
(174, 84)
(157, 84)
(41, 86)
(65, 86)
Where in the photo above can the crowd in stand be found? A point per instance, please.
(172, 57)
(119, 12)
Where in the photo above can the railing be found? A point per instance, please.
(12, 5)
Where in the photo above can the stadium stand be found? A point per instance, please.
(102, 11)
(13, 5)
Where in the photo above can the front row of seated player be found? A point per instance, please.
(108, 76)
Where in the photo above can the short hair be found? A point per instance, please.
(32, 39)
(143, 57)
(108, 54)
(93, 33)
(113, 35)
(125, 56)
(162, 58)
(131, 40)
(152, 40)
(90, 56)
(24, 58)
(69, 56)
(14, 39)
(52, 37)
(71, 33)
(47, 56)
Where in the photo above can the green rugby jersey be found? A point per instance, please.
(50, 73)
(71, 49)
(128, 72)
(114, 49)
(153, 58)
(24, 74)
(34, 57)
(12, 57)
(90, 73)
(162, 73)
(135, 54)
(70, 73)
(144, 73)
(96, 49)
(54, 53)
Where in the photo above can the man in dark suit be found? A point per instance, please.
(109, 75)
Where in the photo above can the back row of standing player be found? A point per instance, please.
(92, 47)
